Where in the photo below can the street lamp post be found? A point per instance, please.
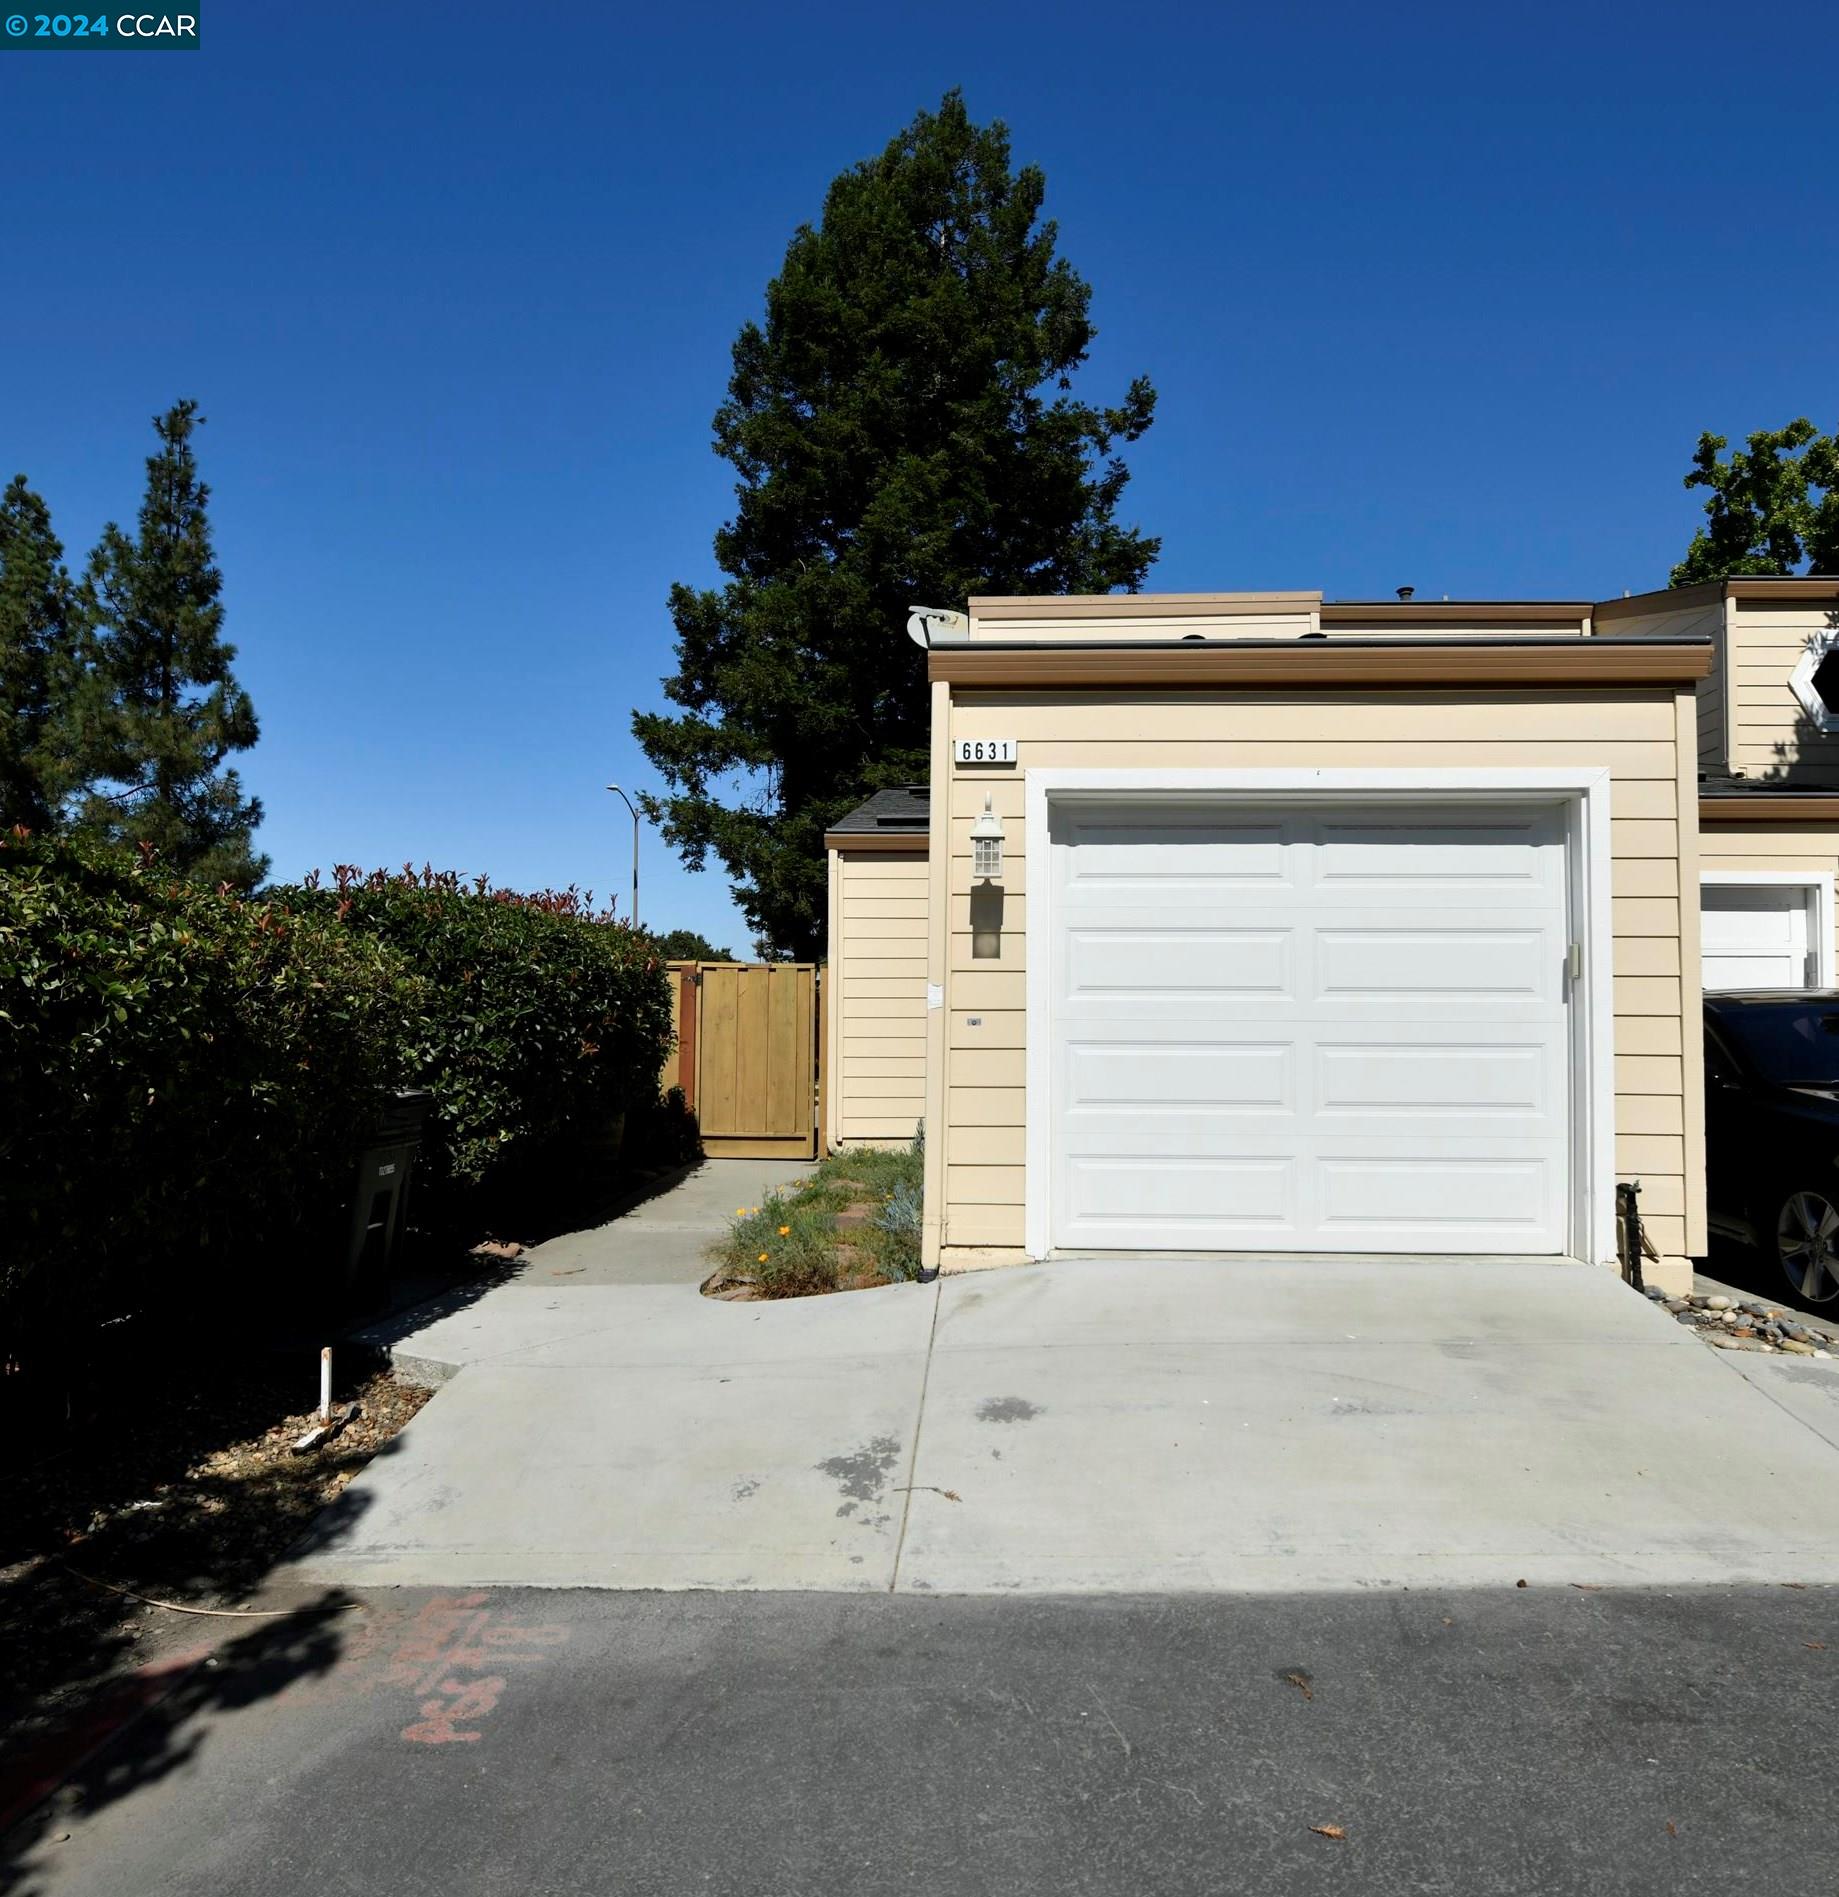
(627, 801)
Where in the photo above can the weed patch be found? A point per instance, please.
(791, 1245)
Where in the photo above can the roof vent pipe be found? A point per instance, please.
(1405, 592)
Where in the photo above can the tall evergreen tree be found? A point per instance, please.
(161, 710)
(902, 428)
(1771, 505)
(38, 632)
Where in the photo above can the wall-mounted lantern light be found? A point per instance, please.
(987, 845)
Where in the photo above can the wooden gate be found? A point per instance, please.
(747, 1056)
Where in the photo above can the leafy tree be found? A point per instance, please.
(160, 711)
(686, 945)
(38, 631)
(1771, 506)
(902, 428)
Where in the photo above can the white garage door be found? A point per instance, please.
(1758, 936)
(1309, 1029)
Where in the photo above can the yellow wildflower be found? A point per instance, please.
(763, 1258)
(785, 1231)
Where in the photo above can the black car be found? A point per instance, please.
(1772, 1129)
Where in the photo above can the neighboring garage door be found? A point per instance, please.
(1309, 1029)
(1758, 936)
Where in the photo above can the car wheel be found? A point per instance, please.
(1807, 1245)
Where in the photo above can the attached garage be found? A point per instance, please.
(1310, 1025)
(1370, 941)
(1768, 861)
(1767, 931)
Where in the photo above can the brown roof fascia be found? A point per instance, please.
(1766, 806)
(1435, 664)
(871, 842)
(1792, 586)
(1667, 599)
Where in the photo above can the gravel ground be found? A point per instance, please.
(187, 1495)
(1731, 1322)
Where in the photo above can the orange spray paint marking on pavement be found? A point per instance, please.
(452, 1654)
(440, 1719)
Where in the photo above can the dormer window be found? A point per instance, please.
(1826, 682)
(1815, 681)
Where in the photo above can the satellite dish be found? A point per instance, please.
(923, 621)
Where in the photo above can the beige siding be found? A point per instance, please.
(1646, 739)
(1124, 617)
(1701, 620)
(878, 996)
(1772, 738)
(1112, 617)
(1710, 723)
(1704, 619)
(1783, 846)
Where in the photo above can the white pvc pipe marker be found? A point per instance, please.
(325, 1384)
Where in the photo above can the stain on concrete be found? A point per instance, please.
(864, 1472)
(746, 1486)
(1007, 1409)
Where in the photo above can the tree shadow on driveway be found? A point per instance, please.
(163, 1737)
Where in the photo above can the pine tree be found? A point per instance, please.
(160, 710)
(38, 666)
(903, 434)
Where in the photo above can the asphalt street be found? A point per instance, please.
(1545, 1740)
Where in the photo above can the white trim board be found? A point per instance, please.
(1584, 790)
(1819, 883)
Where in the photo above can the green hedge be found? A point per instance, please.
(184, 1075)
(540, 1024)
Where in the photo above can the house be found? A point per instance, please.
(1314, 926)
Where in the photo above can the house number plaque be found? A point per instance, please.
(983, 750)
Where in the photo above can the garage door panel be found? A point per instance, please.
(1457, 1079)
(1184, 850)
(1177, 964)
(1114, 1200)
(1387, 854)
(1369, 1051)
(1152, 1076)
(1449, 1203)
(1418, 963)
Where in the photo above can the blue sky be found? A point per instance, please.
(1431, 295)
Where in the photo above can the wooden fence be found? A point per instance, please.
(748, 1057)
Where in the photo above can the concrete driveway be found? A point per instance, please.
(1099, 1425)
